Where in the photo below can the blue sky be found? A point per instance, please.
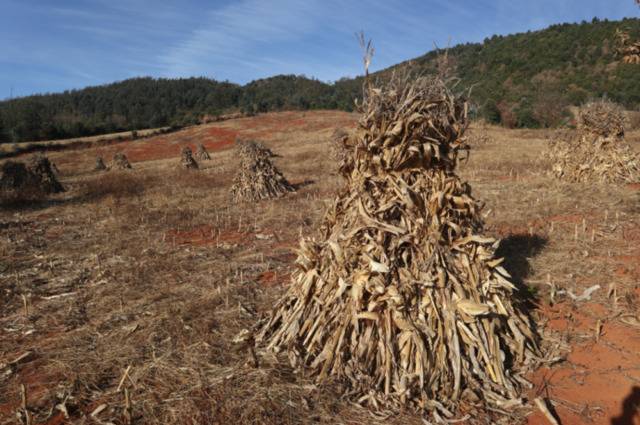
(53, 45)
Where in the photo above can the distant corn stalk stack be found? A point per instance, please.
(257, 178)
(186, 159)
(252, 148)
(15, 180)
(100, 165)
(597, 151)
(120, 162)
(602, 117)
(35, 178)
(42, 171)
(628, 50)
(201, 153)
(478, 136)
(338, 145)
(401, 298)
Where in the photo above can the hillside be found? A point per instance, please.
(522, 80)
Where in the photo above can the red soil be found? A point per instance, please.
(599, 375)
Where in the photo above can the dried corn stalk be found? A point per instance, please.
(120, 162)
(42, 172)
(14, 176)
(603, 118)
(257, 178)
(401, 298)
(201, 153)
(627, 49)
(597, 151)
(186, 159)
(253, 149)
(100, 165)
(337, 147)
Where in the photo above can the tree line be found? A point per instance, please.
(522, 80)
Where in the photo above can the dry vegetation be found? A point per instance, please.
(121, 297)
(597, 151)
(400, 298)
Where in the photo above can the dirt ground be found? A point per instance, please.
(119, 299)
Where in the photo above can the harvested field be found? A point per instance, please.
(140, 281)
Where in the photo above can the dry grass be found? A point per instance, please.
(159, 272)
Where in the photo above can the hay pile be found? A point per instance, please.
(42, 172)
(120, 162)
(201, 153)
(402, 299)
(186, 159)
(597, 151)
(100, 165)
(257, 178)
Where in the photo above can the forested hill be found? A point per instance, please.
(522, 80)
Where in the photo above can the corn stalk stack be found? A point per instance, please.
(248, 148)
(627, 49)
(400, 298)
(597, 151)
(14, 176)
(337, 148)
(257, 178)
(201, 153)
(120, 162)
(186, 159)
(42, 172)
(100, 165)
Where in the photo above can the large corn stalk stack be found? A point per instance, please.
(401, 298)
(186, 159)
(257, 178)
(42, 171)
(597, 152)
(201, 153)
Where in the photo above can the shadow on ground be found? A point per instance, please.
(630, 409)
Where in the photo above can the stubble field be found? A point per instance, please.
(120, 298)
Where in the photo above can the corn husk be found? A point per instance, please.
(400, 297)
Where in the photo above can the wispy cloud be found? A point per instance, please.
(237, 32)
(59, 45)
